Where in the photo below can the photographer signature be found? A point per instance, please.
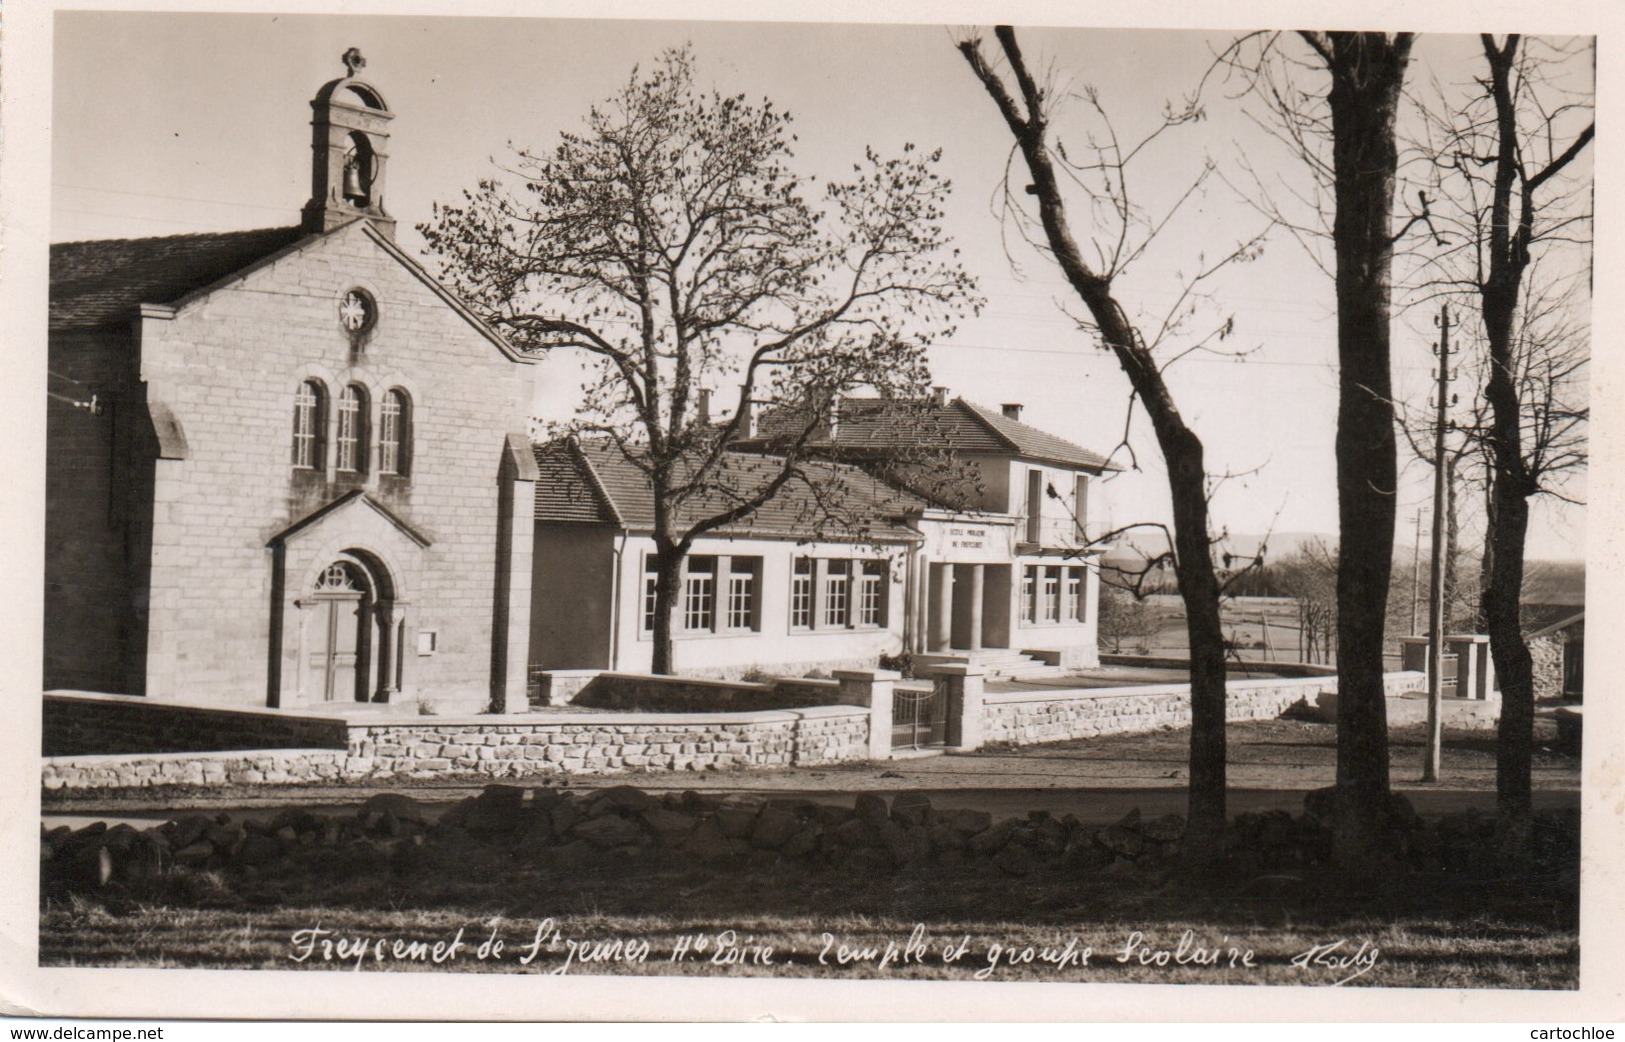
(1339, 956)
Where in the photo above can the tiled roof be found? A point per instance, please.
(1033, 443)
(102, 283)
(870, 426)
(593, 481)
(566, 489)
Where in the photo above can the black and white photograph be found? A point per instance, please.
(787, 506)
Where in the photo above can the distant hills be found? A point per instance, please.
(1545, 582)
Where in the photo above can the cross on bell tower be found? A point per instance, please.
(349, 152)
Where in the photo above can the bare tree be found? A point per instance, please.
(1512, 169)
(1125, 616)
(672, 242)
(1099, 172)
(1343, 129)
(1309, 577)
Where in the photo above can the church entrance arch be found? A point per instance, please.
(351, 633)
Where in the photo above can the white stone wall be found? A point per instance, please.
(283, 766)
(1054, 716)
(608, 743)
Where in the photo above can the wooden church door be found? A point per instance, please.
(339, 646)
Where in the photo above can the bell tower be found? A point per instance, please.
(349, 152)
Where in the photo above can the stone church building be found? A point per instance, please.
(285, 466)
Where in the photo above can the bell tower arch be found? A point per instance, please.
(349, 152)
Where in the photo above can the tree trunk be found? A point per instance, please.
(1452, 543)
(1514, 667)
(668, 575)
(1367, 72)
(1199, 589)
(1508, 257)
(1181, 448)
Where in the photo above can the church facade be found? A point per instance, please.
(285, 467)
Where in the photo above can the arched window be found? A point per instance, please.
(309, 425)
(395, 433)
(352, 432)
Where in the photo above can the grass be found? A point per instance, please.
(1427, 932)
(1431, 931)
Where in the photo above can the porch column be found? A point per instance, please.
(976, 585)
(384, 618)
(942, 622)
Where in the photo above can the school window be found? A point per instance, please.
(352, 435)
(872, 594)
(742, 593)
(837, 593)
(1029, 581)
(309, 419)
(699, 593)
(394, 422)
(1052, 594)
(651, 591)
(1074, 595)
(801, 594)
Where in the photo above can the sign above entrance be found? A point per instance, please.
(968, 542)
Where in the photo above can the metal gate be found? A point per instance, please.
(919, 719)
(1447, 675)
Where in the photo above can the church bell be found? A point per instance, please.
(354, 188)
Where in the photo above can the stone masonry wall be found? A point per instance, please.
(79, 724)
(282, 766)
(1055, 716)
(593, 743)
(490, 747)
(1546, 658)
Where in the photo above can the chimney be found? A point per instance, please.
(1012, 410)
(702, 407)
(939, 396)
(747, 409)
(834, 417)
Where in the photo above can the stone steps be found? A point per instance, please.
(1007, 664)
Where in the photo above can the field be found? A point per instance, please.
(1259, 628)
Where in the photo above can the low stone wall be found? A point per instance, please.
(588, 743)
(1468, 714)
(79, 723)
(657, 694)
(503, 747)
(1027, 718)
(284, 766)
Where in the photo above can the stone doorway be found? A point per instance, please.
(339, 658)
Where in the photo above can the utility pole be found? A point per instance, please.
(1430, 767)
(1416, 572)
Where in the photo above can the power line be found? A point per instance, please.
(171, 198)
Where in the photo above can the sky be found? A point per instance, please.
(173, 123)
